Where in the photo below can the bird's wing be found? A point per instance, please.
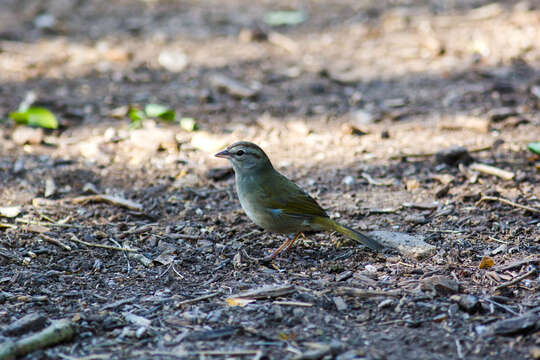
(284, 195)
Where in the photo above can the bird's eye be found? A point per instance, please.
(240, 152)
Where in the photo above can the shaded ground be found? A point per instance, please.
(415, 77)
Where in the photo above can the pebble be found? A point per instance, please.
(348, 180)
(173, 60)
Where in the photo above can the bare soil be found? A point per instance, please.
(360, 88)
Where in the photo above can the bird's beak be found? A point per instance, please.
(223, 154)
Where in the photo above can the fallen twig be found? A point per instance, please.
(42, 223)
(267, 292)
(55, 242)
(515, 264)
(114, 200)
(293, 303)
(58, 331)
(197, 299)
(109, 247)
(516, 280)
(504, 307)
(492, 170)
(117, 303)
(508, 202)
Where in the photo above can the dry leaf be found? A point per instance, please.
(238, 301)
(486, 263)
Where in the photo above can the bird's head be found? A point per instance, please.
(245, 156)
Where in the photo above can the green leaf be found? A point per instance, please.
(136, 116)
(279, 18)
(160, 111)
(35, 116)
(189, 124)
(534, 147)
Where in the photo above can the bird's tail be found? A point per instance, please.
(331, 225)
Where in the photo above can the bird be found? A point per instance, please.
(277, 204)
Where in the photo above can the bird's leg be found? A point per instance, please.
(286, 245)
(291, 243)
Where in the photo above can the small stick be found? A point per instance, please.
(504, 307)
(102, 246)
(55, 242)
(508, 202)
(177, 273)
(293, 303)
(114, 200)
(197, 299)
(58, 331)
(42, 223)
(267, 292)
(518, 263)
(492, 170)
(516, 280)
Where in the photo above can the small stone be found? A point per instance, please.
(173, 60)
(50, 187)
(27, 135)
(535, 90)
(443, 285)
(18, 166)
(416, 219)
(341, 305)
(348, 180)
(45, 21)
(362, 117)
(468, 303)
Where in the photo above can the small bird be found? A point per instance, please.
(275, 203)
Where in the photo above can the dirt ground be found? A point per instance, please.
(352, 104)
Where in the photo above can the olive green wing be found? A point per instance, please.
(287, 197)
